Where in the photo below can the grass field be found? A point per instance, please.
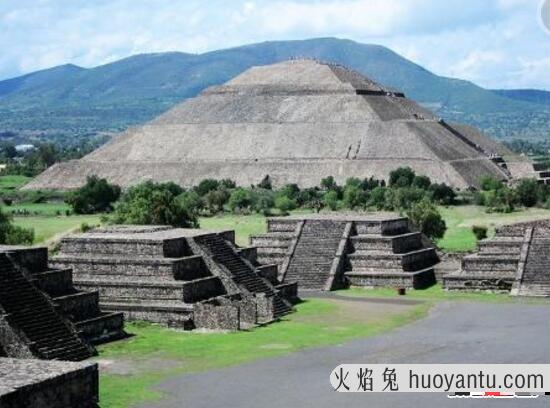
(460, 219)
(10, 183)
(131, 367)
(46, 228)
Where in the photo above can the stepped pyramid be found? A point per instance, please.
(330, 251)
(515, 260)
(184, 278)
(42, 314)
(296, 121)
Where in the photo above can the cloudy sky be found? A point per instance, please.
(495, 43)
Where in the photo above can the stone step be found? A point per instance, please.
(380, 260)
(272, 240)
(104, 327)
(79, 305)
(188, 292)
(397, 244)
(54, 282)
(129, 269)
(393, 278)
(96, 243)
(275, 225)
(494, 265)
(501, 245)
(175, 315)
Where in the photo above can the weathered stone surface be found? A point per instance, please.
(48, 384)
(297, 121)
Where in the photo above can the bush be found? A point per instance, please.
(377, 198)
(266, 183)
(285, 204)
(85, 227)
(427, 219)
(263, 201)
(403, 198)
(206, 185)
(13, 235)
(443, 194)
(216, 199)
(239, 200)
(290, 190)
(330, 200)
(328, 183)
(354, 197)
(479, 231)
(488, 183)
(150, 203)
(401, 177)
(422, 182)
(527, 192)
(191, 201)
(97, 195)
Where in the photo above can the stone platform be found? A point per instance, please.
(328, 251)
(179, 277)
(516, 260)
(52, 384)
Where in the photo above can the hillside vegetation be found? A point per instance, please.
(70, 100)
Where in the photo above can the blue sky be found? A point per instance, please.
(495, 43)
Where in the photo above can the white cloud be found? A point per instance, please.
(492, 42)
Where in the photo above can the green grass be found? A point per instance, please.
(436, 293)
(44, 209)
(45, 228)
(13, 182)
(317, 323)
(460, 219)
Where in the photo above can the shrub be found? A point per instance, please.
(13, 235)
(150, 203)
(488, 183)
(97, 195)
(263, 201)
(285, 204)
(228, 184)
(527, 191)
(443, 194)
(85, 227)
(216, 199)
(403, 198)
(191, 201)
(401, 177)
(354, 197)
(330, 200)
(479, 231)
(422, 182)
(206, 185)
(266, 183)
(377, 198)
(239, 199)
(328, 183)
(290, 190)
(427, 219)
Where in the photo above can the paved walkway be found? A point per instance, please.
(453, 333)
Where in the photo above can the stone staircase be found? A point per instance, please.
(535, 280)
(310, 264)
(243, 273)
(31, 313)
(347, 249)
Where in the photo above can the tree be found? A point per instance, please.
(442, 194)
(427, 219)
(265, 183)
(206, 185)
(263, 201)
(354, 197)
(228, 184)
(328, 183)
(285, 204)
(216, 199)
(191, 201)
(13, 235)
(401, 177)
(330, 200)
(527, 191)
(239, 199)
(479, 231)
(377, 198)
(290, 190)
(97, 195)
(422, 182)
(9, 151)
(150, 203)
(488, 183)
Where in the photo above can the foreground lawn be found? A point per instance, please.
(460, 219)
(46, 228)
(8, 183)
(132, 367)
(36, 209)
(436, 293)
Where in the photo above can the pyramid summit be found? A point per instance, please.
(297, 121)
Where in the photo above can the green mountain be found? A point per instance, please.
(69, 101)
(529, 95)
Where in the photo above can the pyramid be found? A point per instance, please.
(296, 121)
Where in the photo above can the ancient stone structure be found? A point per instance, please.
(42, 314)
(296, 121)
(324, 252)
(179, 277)
(51, 384)
(516, 260)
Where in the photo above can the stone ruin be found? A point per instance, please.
(325, 252)
(186, 278)
(42, 315)
(296, 121)
(48, 384)
(515, 260)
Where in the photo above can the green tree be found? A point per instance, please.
(377, 198)
(97, 195)
(488, 183)
(401, 177)
(354, 196)
(285, 204)
(206, 185)
(191, 201)
(427, 219)
(443, 194)
(328, 183)
(12, 234)
(422, 182)
(527, 191)
(150, 203)
(216, 199)
(330, 200)
(240, 199)
(266, 183)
